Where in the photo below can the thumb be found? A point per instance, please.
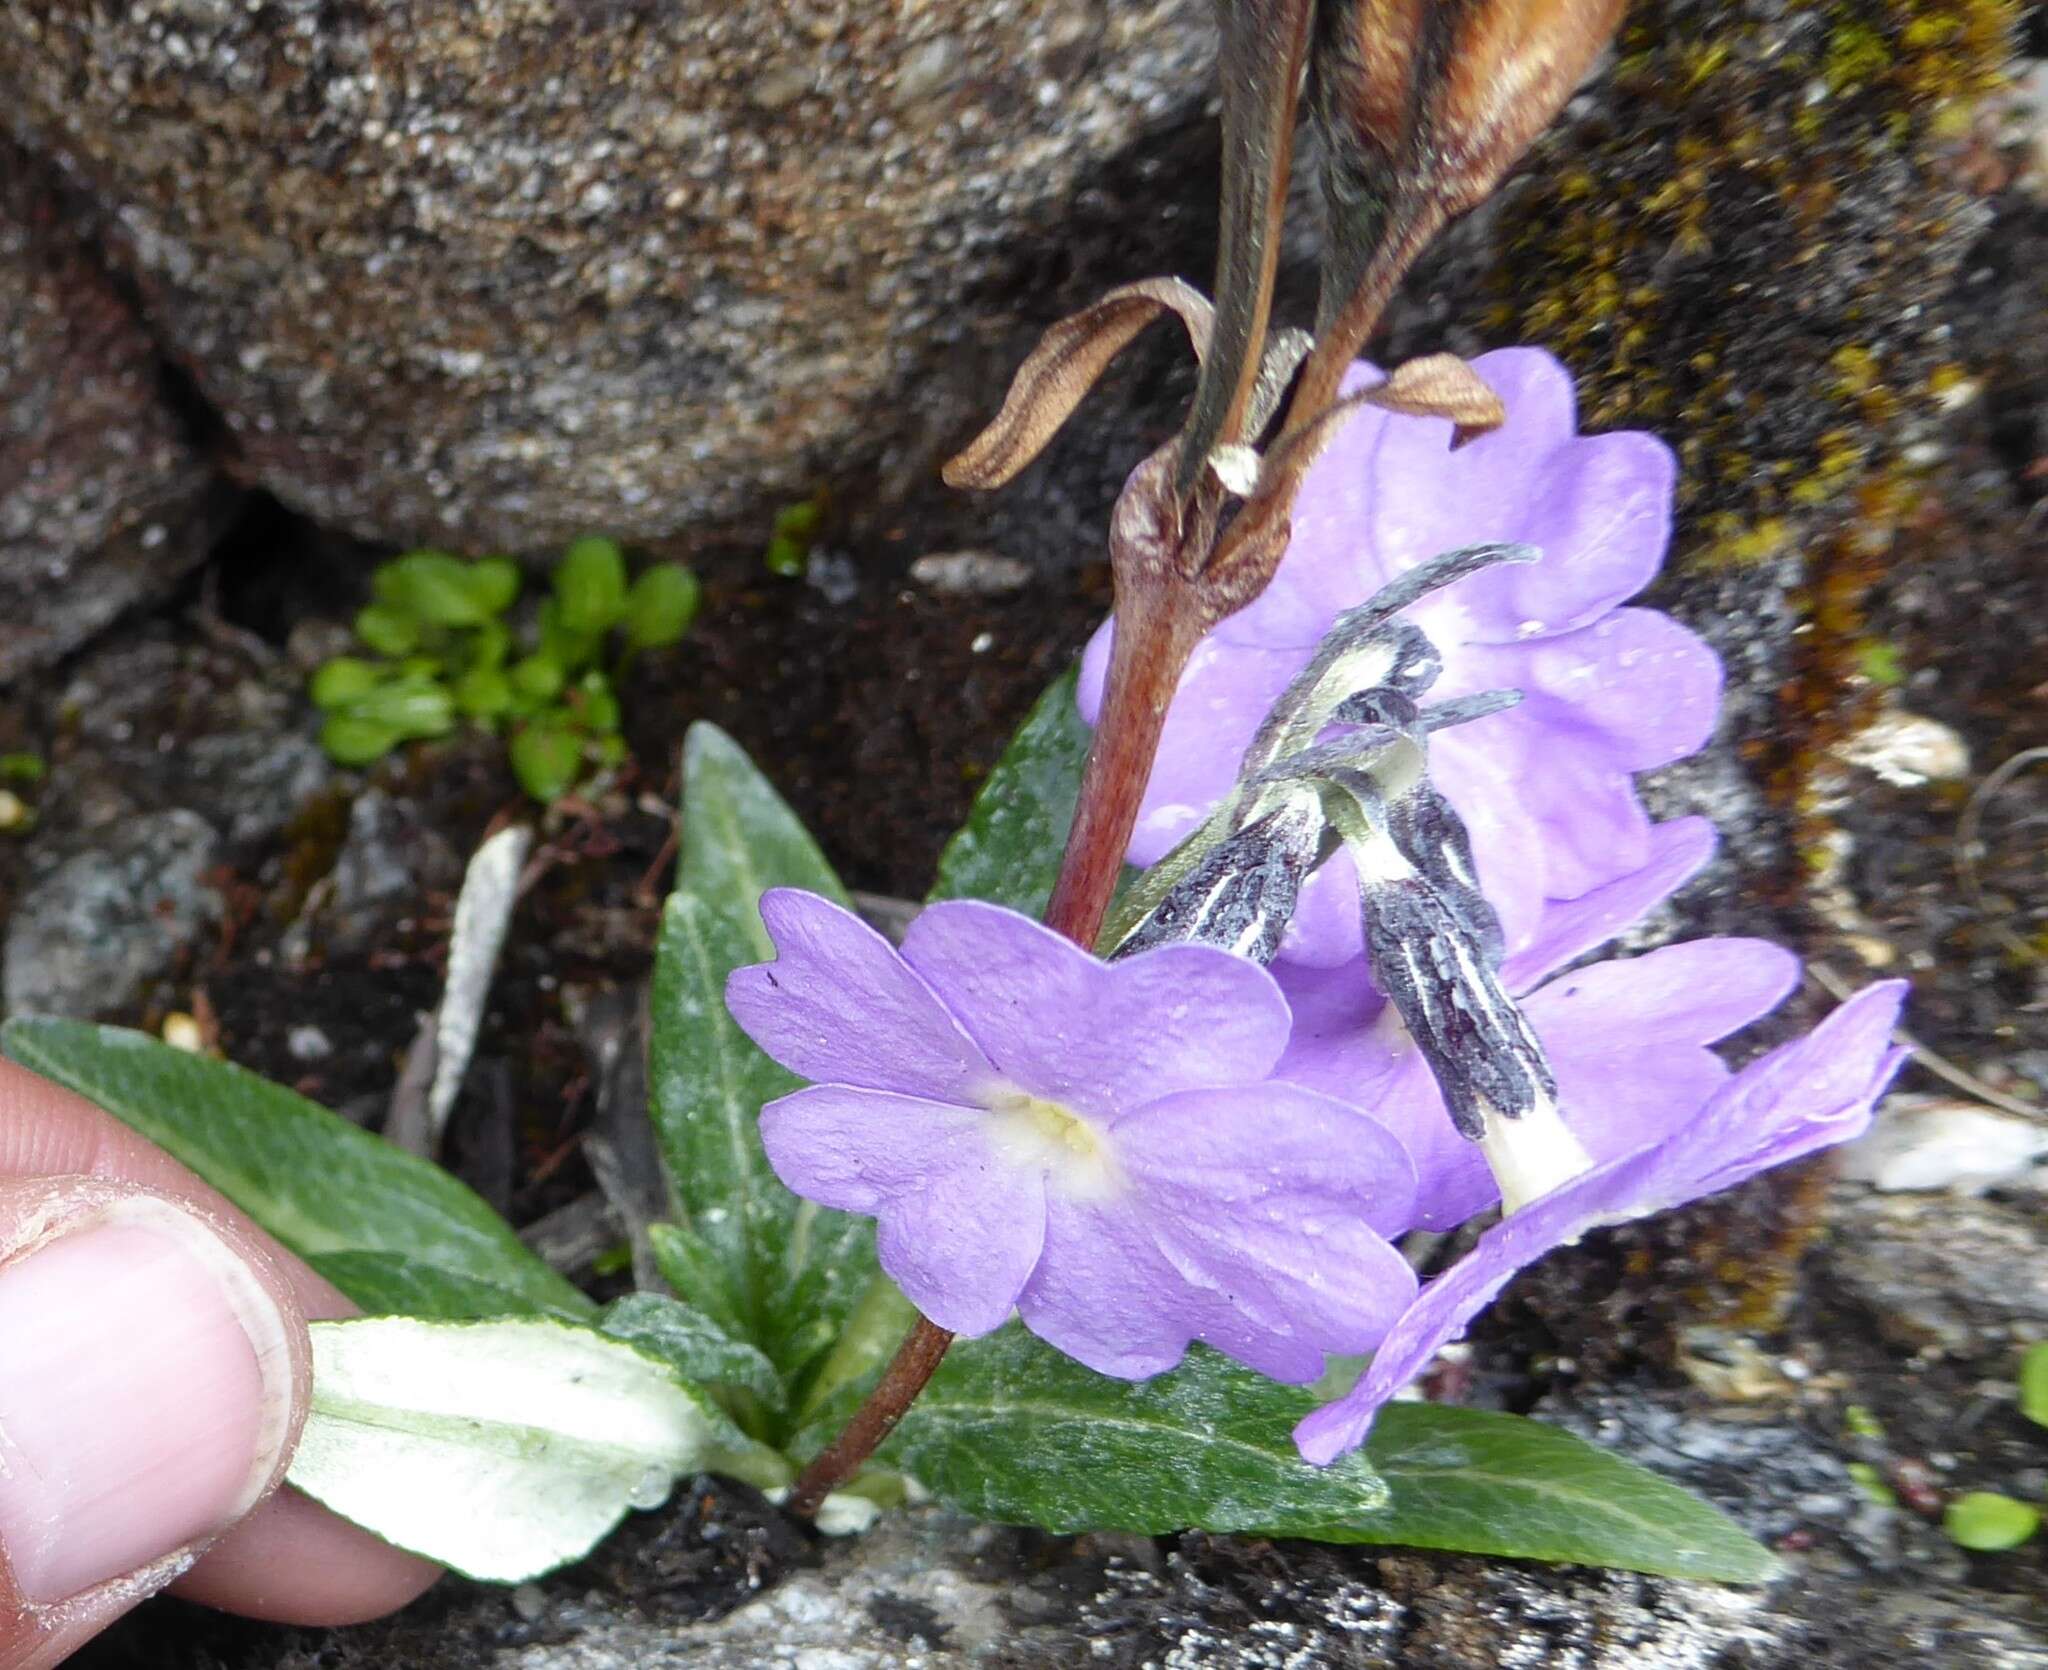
(153, 1375)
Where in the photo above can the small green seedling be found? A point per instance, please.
(789, 546)
(2034, 1383)
(442, 653)
(1989, 1521)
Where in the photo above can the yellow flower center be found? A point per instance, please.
(1071, 1149)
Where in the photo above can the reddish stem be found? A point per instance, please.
(916, 1360)
(1157, 628)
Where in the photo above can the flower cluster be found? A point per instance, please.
(1179, 1144)
(1545, 790)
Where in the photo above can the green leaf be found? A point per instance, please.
(503, 1449)
(343, 680)
(352, 741)
(1010, 1430)
(1009, 849)
(22, 767)
(596, 706)
(547, 758)
(537, 678)
(697, 1271)
(412, 705)
(484, 693)
(434, 587)
(1486, 1483)
(316, 1182)
(568, 648)
(2034, 1383)
(661, 606)
(388, 630)
(390, 1284)
(692, 1344)
(794, 1269)
(740, 837)
(493, 584)
(590, 586)
(489, 644)
(1988, 1522)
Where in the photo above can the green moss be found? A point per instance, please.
(1736, 263)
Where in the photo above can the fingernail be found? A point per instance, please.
(145, 1385)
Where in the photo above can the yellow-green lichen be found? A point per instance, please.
(1746, 257)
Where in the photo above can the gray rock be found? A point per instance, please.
(151, 723)
(389, 859)
(1957, 1278)
(498, 274)
(91, 936)
(252, 782)
(105, 499)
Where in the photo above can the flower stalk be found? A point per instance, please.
(1427, 107)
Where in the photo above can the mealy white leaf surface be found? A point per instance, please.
(502, 1449)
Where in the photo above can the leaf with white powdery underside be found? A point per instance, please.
(503, 1449)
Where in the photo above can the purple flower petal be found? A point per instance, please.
(1636, 685)
(1102, 1038)
(1105, 1294)
(959, 1224)
(1812, 1093)
(1241, 1228)
(839, 1006)
(1627, 1040)
(859, 1149)
(1265, 1152)
(1803, 1096)
(1546, 791)
(1569, 928)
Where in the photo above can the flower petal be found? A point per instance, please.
(963, 1249)
(1627, 1040)
(1239, 1225)
(1104, 1293)
(1547, 820)
(1102, 1038)
(959, 1226)
(1448, 1305)
(858, 1149)
(1569, 928)
(1210, 1161)
(839, 1006)
(1806, 1095)
(1637, 685)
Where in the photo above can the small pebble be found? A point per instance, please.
(1908, 749)
(970, 573)
(308, 1043)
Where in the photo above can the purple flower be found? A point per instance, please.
(1627, 1039)
(1100, 1147)
(1805, 1096)
(1545, 789)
